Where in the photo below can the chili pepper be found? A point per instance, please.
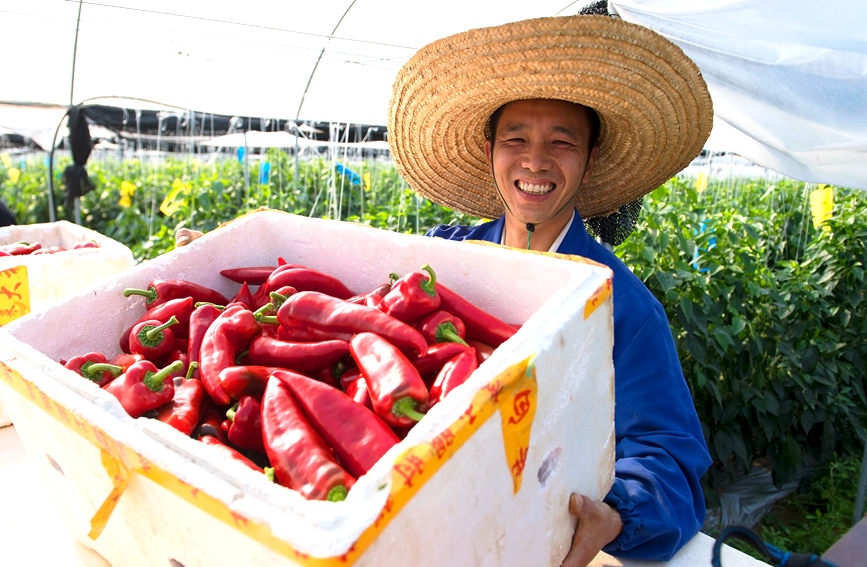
(244, 297)
(209, 420)
(152, 338)
(333, 315)
(125, 360)
(357, 390)
(300, 356)
(181, 308)
(355, 433)
(245, 430)
(480, 324)
(442, 327)
(396, 388)
(177, 354)
(185, 409)
(431, 361)
(95, 367)
(331, 374)
(22, 248)
(86, 244)
(373, 298)
(253, 275)
(483, 350)
(412, 296)
(302, 279)
(231, 330)
(454, 373)
(160, 291)
(301, 458)
(200, 319)
(348, 376)
(143, 387)
(49, 250)
(245, 380)
(228, 451)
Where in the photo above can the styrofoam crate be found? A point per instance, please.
(33, 282)
(483, 479)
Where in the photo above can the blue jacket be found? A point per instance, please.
(660, 449)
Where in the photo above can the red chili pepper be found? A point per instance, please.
(181, 308)
(302, 279)
(177, 354)
(412, 296)
(143, 387)
(233, 454)
(200, 319)
(480, 324)
(125, 360)
(454, 373)
(300, 356)
(152, 338)
(95, 367)
(49, 250)
(86, 244)
(373, 298)
(442, 327)
(357, 390)
(244, 297)
(337, 316)
(232, 330)
(253, 275)
(357, 435)
(160, 291)
(22, 248)
(185, 409)
(210, 420)
(430, 363)
(245, 429)
(245, 380)
(301, 458)
(483, 350)
(397, 391)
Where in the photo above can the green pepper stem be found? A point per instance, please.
(269, 473)
(191, 369)
(200, 303)
(267, 319)
(149, 293)
(155, 334)
(429, 286)
(154, 380)
(278, 299)
(93, 370)
(448, 333)
(337, 494)
(406, 407)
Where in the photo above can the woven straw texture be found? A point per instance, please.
(653, 104)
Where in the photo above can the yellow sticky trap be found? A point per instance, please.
(173, 200)
(517, 413)
(127, 190)
(822, 204)
(7, 161)
(366, 178)
(14, 174)
(701, 181)
(14, 294)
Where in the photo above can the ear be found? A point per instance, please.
(488, 152)
(590, 163)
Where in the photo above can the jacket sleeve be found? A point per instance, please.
(660, 449)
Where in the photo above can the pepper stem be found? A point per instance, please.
(405, 407)
(191, 370)
(429, 286)
(149, 293)
(155, 334)
(337, 494)
(154, 380)
(448, 333)
(93, 370)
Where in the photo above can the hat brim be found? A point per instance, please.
(654, 107)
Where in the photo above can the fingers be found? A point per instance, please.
(184, 236)
(598, 524)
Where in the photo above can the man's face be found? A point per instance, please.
(540, 157)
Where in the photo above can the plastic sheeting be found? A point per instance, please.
(788, 79)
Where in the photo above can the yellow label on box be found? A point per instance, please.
(14, 294)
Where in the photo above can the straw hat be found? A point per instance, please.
(653, 104)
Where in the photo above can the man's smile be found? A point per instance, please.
(534, 188)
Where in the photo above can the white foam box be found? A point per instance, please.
(33, 282)
(482, 479)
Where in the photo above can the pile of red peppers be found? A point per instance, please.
(22, 248)
(296, 376)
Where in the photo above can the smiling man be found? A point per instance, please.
(541, 124)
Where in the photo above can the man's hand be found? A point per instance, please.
(184, 236)
(598, 525)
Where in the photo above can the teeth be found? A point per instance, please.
(535, 188)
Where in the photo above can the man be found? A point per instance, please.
(539, 124)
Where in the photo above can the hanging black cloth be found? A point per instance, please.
(75, 178)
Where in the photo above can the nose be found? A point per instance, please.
(535, 157)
